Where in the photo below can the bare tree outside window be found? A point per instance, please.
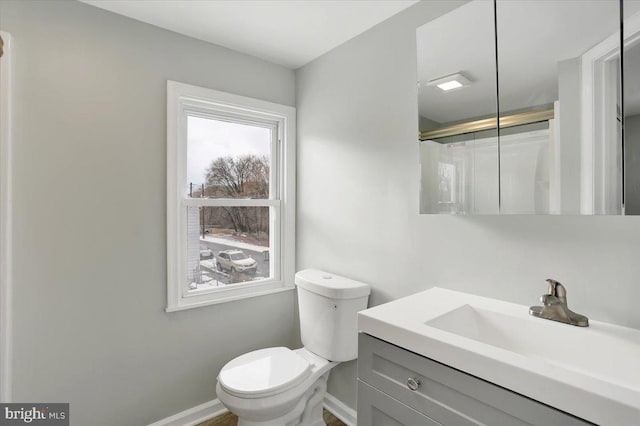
(228, 161)
(246, 176)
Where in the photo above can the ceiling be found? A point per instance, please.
(533, 38)
(287, 32)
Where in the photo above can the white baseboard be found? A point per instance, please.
(340, 410)
(195, 415)
(211, 409)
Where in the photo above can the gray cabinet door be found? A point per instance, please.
(447, 395)
(378, 409)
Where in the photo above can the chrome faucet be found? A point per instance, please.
(555, 307)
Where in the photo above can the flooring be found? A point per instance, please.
(229, 419)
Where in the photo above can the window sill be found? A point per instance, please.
(184, 304)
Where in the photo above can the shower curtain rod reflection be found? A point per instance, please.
(518, 119)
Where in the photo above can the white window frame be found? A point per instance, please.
(185, 100)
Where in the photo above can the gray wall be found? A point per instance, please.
(632, 164)
(89, 212)
(358, 184)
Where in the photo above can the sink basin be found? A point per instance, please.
(605, 354)
(591, 372)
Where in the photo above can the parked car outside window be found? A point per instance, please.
(236, 261)
(205, 253)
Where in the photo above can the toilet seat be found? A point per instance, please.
(264, 372)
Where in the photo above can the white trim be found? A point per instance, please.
(214, 408)
(229, 202)
(339, 409)
(5, 222)
(183, 100)
(593, 106)
(195, 415)
(592, 113)
(555, 154)
(247, 295)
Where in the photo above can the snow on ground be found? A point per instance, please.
(206, 286)
(234, 243)
(208, 263)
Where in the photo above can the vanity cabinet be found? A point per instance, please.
(377, 408)
(441, 395)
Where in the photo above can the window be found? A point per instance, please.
(230, 196)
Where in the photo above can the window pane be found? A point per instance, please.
(227, 245)
(227, 160)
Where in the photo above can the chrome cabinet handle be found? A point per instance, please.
(413, 383)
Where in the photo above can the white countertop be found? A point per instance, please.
(591, 372)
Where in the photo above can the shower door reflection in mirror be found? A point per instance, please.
(458, 109)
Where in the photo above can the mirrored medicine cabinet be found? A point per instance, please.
(529, 107)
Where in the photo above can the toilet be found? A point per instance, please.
(283, 387)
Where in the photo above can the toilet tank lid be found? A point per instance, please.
(331, 285)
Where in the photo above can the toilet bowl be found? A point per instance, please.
(280, 399)
(283, 387)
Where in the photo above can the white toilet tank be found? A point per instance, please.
(328, 306)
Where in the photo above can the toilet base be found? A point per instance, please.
(306, 412)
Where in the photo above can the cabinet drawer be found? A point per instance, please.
(377, 409)
(447, 395)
